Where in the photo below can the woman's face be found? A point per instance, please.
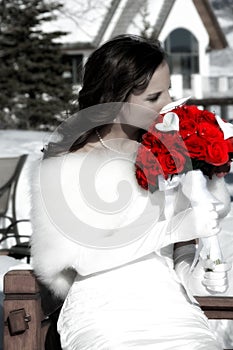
(156, 95)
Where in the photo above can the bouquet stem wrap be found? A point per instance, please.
(194, 187)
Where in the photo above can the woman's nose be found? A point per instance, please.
(167, 98)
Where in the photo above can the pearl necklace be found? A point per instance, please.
(108, 147)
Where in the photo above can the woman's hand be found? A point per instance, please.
(215, 276)
(206, 278)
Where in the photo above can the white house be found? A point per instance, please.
(200, 55)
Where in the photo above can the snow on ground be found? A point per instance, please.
(15, 142)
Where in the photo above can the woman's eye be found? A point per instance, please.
(153, 98)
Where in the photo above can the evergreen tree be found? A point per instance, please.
(33, 92)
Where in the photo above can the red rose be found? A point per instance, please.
(217, 153)
(187, 127)
(148, 139)
(158, 147)
(230, 144)
(169, 139)
(141, 178)
(172, 162)
(207, 116)
(209, 131)
(188, 112)
(196, 147)
(145, 158)
(148, 163)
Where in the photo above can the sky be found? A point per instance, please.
(81, 18)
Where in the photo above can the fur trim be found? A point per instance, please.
(56, 258)
(53, 255)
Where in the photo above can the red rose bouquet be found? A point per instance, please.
(186, 138)
(183, 146)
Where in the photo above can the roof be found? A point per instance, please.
(106, 21)
(217, 38)
(162, 16)
(129, 8)
(93, 22)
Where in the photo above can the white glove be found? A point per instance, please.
(198, 222)
(183, 259)
(194, 186)
(215, 276)
(200, 281)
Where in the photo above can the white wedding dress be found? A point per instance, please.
(140, 305)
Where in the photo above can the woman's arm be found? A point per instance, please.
(181, 244)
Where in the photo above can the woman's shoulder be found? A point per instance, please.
(64, 157)
(90, 174)
(53, 166)
(92, 162)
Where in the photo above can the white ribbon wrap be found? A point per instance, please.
(194, 187)
(169, 187)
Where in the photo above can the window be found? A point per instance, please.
(183, 58)
(74, 65)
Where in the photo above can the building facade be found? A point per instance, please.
(192, 33)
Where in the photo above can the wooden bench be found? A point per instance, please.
(31, 313)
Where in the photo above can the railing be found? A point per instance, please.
(212, 93)
(222, 106)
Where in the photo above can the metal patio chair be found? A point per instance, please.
(10, 170)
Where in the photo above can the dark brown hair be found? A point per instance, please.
(119, 67)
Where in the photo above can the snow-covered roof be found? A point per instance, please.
(89, 20)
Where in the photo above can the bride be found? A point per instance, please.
(100, 241)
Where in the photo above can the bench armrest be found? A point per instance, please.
(30, 312)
